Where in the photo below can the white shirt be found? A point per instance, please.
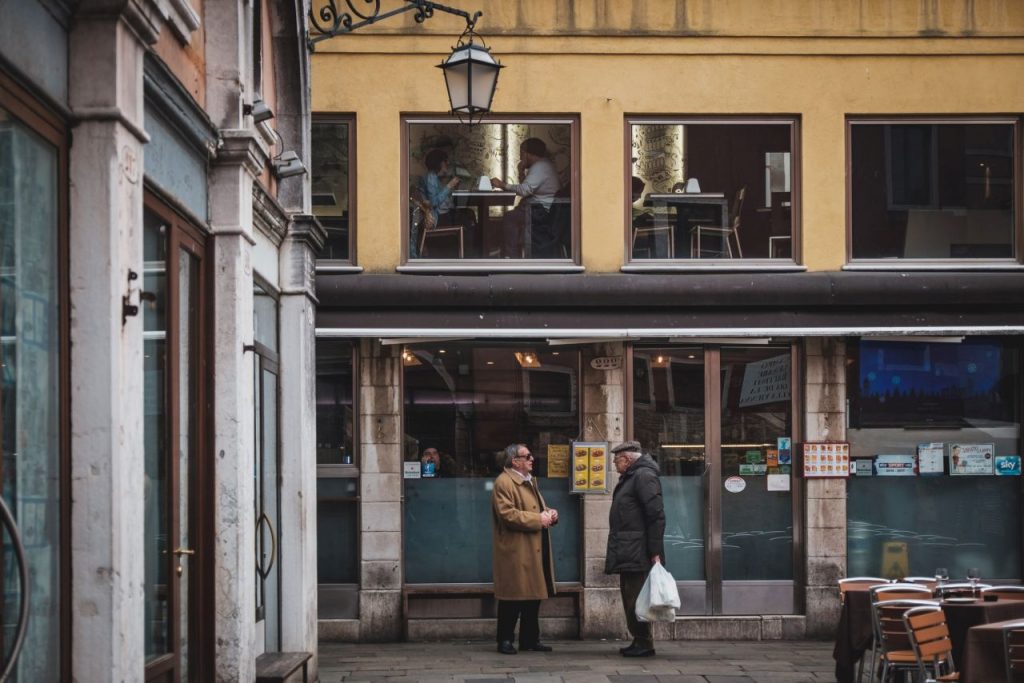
(540, 184)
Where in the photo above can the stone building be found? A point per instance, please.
(157, 337)
(776, 225)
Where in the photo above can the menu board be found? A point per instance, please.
(826, 459)
(590, 467)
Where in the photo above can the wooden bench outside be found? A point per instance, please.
(277, 667)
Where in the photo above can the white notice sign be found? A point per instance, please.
(765, 381)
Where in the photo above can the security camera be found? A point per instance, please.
(288, 165)
(259, 111)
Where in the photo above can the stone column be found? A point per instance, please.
(380, 491)
(603, 420)
(106, 354)
(304, 239)
(825, 517)
(238, 162)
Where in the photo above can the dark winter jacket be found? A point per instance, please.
(636, 522)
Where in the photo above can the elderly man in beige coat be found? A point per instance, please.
(524, 566)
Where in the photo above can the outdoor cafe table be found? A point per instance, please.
(984, 659)
(853, 636)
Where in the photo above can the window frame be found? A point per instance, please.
(495, 265)
(1014, 262)
(793, 263)
(341, 265)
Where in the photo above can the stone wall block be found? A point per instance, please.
(376, 574)
(380, 615)
(825, 488)
(602, 614)
(381, 516)
(602, 398)
(794, 627)
(380, 429)
(822, 612)
(826, 513)
(707, 628)
(595, 542)
(603, 427)
(813, 347)
(826, 426)
(825, 571)
(594, 576)
(830, 542)
(380, 458)
(825, 398)
(377, 400)
(595, 511)
(381, 545)
(380, 488)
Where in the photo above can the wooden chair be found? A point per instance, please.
(1013, 646)
(731, 232)
(652, 231)
(895, 653)
(933, 648)
(1004, 592)
(901, 592)
(425, 224)
(858, 583)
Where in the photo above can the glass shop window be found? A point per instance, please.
(332, 185)
(935, 437)
(497, 190)
(933, 191)
(463, 405)
(711, 190)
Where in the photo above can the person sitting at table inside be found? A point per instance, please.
(528, 229)
(436, 187)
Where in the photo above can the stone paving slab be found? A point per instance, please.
(579, 662)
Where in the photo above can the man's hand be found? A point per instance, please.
(655, 559)
(453, 182)
(498, 183)
(554, 516)
(545, 519)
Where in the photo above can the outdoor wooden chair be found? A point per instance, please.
(889, 592)
(858, 583)
(1004, 592)
(895, 654)
(1013, 646)
(933, 648)
(928, 581)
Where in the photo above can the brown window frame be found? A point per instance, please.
(342, 265)
(794, 262)
(31, 111)
(570, 264)
(938, 264)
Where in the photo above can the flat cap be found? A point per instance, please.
(633, 446)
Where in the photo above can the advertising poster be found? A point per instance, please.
(590, 467)
(971, 459)
(862, 467)
(931, 458)
(894, 465)
(773, 457)
(785, 447)
(1007, 465)
(826, 459)
(558, 460)
(753, 469)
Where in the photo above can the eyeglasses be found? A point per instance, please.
(528, 456)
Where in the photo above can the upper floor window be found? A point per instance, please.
(711, 189)
(498, 190)
(332, 179)
(933, 190)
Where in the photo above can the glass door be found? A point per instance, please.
(172, 286)
(712, 417)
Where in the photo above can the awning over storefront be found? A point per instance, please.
(627, 306)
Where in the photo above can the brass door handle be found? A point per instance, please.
(183, 551)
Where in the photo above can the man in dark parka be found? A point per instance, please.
(636, 536)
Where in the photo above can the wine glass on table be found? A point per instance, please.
(941, 576)
(973, 575)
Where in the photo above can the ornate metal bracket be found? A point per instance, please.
(330, 20)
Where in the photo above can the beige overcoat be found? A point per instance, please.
(516, 531)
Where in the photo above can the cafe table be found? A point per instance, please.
(482, 201)
(686, 202)
(853, 635)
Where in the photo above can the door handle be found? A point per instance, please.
(264, 573)
(178, 552)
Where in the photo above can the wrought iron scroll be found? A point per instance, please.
(332, 19)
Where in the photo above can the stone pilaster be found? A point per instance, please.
(106, 199)
(603, 420)
(305, 237)
(380, 491)
(825, 510)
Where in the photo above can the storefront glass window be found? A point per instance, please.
(454, 210)
(711, 190)
(29, 400)
(930, 190)
(945, 415)
(466, 403)
(332, 185)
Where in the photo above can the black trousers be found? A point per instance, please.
(630, 584)
(527, 613)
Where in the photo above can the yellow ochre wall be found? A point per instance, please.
(603, 60)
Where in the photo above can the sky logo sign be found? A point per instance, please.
(1007, 465)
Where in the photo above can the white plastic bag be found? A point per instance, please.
(659, 598)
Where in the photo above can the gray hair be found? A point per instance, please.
(511, 451)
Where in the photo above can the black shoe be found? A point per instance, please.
(631, 646)
(505, 647)
(638, 651)
(537, 647)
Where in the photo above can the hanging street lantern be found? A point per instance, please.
(471, 76)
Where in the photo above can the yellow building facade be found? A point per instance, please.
(882, 239)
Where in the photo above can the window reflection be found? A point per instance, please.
(932, 190)
(711, 190)
(331, 157)
(491, 191)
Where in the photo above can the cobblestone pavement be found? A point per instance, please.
(584, 661)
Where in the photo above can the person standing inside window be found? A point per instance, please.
(524, 564)
(529, 225)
